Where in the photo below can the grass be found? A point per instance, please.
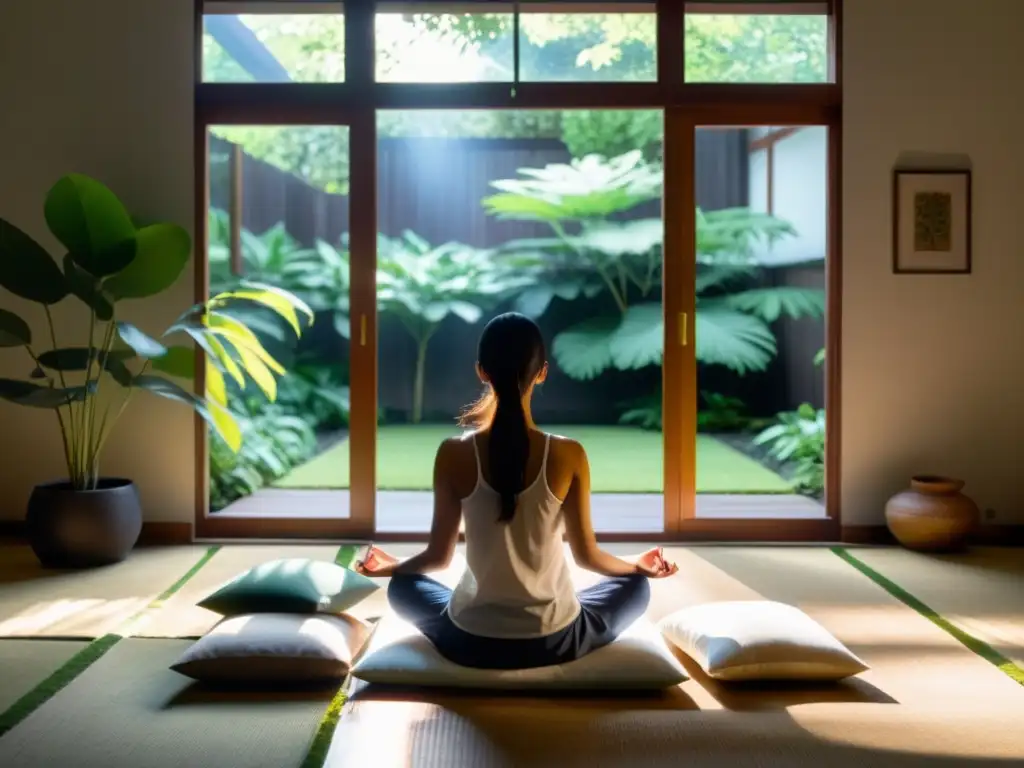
(622, 460)
(975, 644)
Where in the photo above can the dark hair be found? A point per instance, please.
(511, 354)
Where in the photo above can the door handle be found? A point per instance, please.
(683, 330)
(362, 330)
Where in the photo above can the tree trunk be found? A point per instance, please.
(419, 380)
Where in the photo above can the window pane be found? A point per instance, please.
(555, 214)
(759, 329)
(587, 47)
(444, 47)
(274, 48)
(479, 47)
(756, 48)
(278, 215)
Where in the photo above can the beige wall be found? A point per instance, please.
(932, 371)
(103, 88)
(933, 366)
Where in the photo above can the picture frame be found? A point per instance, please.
(931, 225)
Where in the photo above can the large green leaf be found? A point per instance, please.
(179, 361)
(14, 332)
(584, 350)
(85, 287)
(36, 396)
(92, 224)
(144, 345)
(218, 418)
(725, 336)
(590, 187)
(73, 359)
(638, 341)
(161, 255)
(26, 269)
(615, 238)
(533, 301)
(773, 302)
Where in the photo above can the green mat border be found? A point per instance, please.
(65, 674)
(972, 643)
(316, 756)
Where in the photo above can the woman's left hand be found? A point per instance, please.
(378, 563)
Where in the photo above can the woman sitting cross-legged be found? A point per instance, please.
(519, 490)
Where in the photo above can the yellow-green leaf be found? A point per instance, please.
(216, 387)
(241, 335)
(226, 426)
(259, 372)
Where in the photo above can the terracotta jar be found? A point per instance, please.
(932, 515)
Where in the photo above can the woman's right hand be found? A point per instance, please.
(377, 563)
(653, 565)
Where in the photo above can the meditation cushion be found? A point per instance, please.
(759, 640)
(274, 648)
(398, 654)
(292, 585)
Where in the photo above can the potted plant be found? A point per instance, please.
(87, 518)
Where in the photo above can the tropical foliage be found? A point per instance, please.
(798, 439)
(275, 440)
(421, 285)
(109, 259)
(592, 253)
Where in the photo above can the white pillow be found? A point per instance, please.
(274, 648)
(398, 654)
(759, 640)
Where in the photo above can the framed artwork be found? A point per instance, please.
(931, 222)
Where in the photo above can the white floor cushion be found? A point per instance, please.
(274, 648)
(759, 640)
(397, 654)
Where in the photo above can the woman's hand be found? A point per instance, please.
(378, 563)
(653, 564)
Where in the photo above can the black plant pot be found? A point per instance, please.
(68, 528)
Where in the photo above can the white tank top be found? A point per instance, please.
(517, 581)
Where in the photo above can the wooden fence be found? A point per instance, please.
(434, 187)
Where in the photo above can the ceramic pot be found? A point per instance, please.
(68, 528)
(932, 515)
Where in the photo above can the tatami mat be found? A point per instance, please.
(26, 663)
(35, 602)
(179, 616)
(911, 659)
(927, 700)
(128, 710)
(981, 591)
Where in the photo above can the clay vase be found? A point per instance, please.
(932, 515)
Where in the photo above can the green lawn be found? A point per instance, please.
(622, 460)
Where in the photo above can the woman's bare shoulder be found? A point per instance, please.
(567, 449)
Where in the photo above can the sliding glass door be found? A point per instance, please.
(483, 212)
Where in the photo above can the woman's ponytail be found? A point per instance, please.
(509, 447)
(510, 358)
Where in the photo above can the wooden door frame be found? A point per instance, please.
(680, 369)
(686, 105)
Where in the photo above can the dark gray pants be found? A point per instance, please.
(607, 609)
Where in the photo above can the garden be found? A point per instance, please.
(554, 214)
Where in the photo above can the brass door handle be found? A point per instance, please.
(362, 330)
(683, 330)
